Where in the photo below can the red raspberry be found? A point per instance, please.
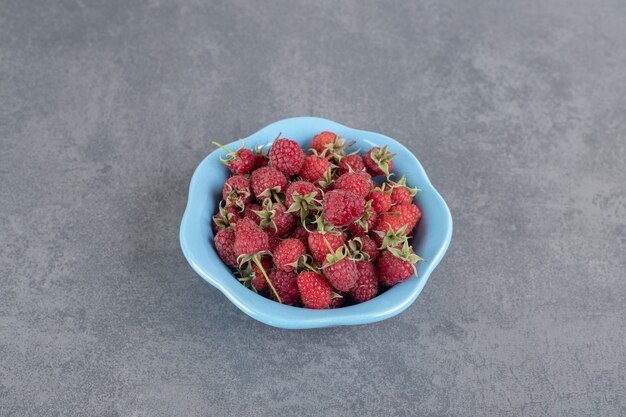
(400, 192)
(378, 161)
(286, 285)
(287, 254)
(369, 247)
(250, 239)
(314, 290)
(358, 182)
(240, 162)
(226, 218)
(267, 181)
(260, 159)
(387, 221)
(396, 264)
(318, 247)
(350, 162)
(366, 286)
(365, 224)
(225, 246)
(250, 212)
(305, 194)
(286, 156)
(410, 214)
(236, 191)
(340, 270)
(314, 168)
(274, 242)
(338, 301)
(341, 207)
(301, 234)
(381, 201)
(275, 220)
(320, 141)
(258, 281)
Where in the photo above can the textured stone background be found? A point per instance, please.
(516, 109)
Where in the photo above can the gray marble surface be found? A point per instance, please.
(517, 109)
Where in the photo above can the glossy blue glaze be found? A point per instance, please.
(431, 238)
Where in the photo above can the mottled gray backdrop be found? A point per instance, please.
(517, 109)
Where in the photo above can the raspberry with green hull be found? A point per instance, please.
(351, 163)
(315, 291)
(250, 212)
(240, 162)
(236, 191)
(286, 156)
(401, 193)
(274, 219)
(378, 161)
(322, 140)
(267, 182)
(318, 243)
(288, 253)
(226, 217)
(340, 270)
(366, 286)
(301, 198)
(381, 200)
(396, 264)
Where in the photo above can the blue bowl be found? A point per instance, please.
(431, 238)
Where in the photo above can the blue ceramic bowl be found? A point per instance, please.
(431, 238)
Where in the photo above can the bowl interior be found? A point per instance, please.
(430, 239)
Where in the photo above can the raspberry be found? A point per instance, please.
(250, 239)
(338, 301)
(389, 222)
(351, 163)
(286, 285)
(321, 140)
(301, 197)
(267, 181)
(258, 280)
(274, 242)
(396, 264)
(226, 218)
(369, 247)
(314, 290)
(275, 220)
(236, 191)
(225, 247)
(319, 242)
(240, 162)
(286, 156)
(365, 224)
(366, 286)
(314, 168)
(401, 193)
(358, 182)
(287, 254)
(340, 270)
(260, 159)
(341, 207)
(363, 248)
(378, 161)
(410, 214)
(301, 234)
(250, 212)
(381, 201)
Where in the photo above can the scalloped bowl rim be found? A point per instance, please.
(205, 191)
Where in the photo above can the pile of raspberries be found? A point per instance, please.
(314, 228)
